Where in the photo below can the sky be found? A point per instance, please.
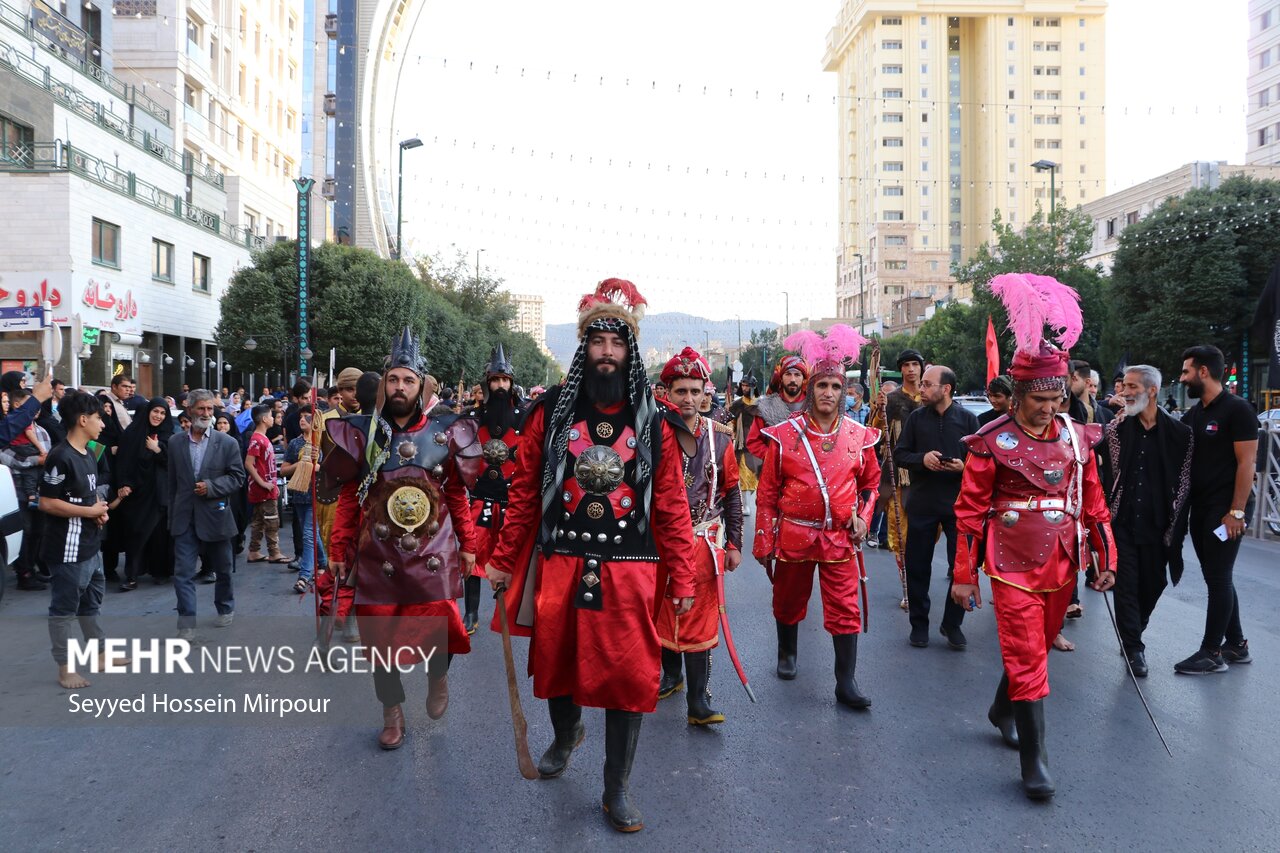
(691, 146)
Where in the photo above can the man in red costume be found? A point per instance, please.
(785, 398)
(402, 532)
(1030, 506)
(817, 492)
(597, 501)
(498, 415)
(715, 504)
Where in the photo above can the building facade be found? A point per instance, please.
(943, 109)
(1262, 123)
(1113, 213)
(528, 318)
(106, 223)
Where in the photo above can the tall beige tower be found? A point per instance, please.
(944, 109)
(1263, 119)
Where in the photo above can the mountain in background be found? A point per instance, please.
(669, 332)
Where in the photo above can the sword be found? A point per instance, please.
(519, 726)
(1116, 627)
(862, 588)
(724, 627)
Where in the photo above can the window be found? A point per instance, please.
(1053, 71)
(1013, 118)
(1011, 22)
(924, 44)
(1038, 71)
(1053, 47)
(1111, 228)
(1012, 70)
(1264, 97)
(1082, 47)
(893, 191)
(162, 261)
(924, 118)
(895, 240)
(891, 44)
(924, 68)
(893, 166)
(1012, 44)
(1053, 22)
(17, 142)
(1264, 136)
(893, 216)
(895, 265)
(924, 165)
(892, 142)
(1131, 218)
(924, 190)
(106, 243)
(891, 21)
(892, 118)
(891, 69)
(891, 93)
(924, 142)
(1268, 18)
(193, 32)
(199, 273)
(1011, 94)
(1081, 70)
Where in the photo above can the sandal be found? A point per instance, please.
(300, 587)
(278, 559)
(256, 559)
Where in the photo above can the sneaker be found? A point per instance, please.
(294, 566)
(1201, 663)
(1232, 653)
(873, 542)
(224, 619)
(207, 577)
(188, 634)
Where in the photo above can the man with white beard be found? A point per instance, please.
(1146, 473)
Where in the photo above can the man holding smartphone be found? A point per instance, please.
(932, 448)
(1224, 430)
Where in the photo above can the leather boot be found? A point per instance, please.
(438, 691)
(672, 677)
(1036, 781)
(621, 734)
(700, 711)
(787, 635)
(392, 734)
(847, 692)
(566, 719)
(471, 604)
(1001, 713)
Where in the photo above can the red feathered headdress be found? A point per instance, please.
(688, 364)
(1034, 302)
(614, 301)
(829, 355)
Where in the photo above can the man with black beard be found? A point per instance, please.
(402, 534)
(1146, 470)
(597, 521)
(743, 413)
(499, 415)
(786, 397)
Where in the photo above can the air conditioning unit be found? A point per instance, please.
(329, 189)
(331, 25)
(330, 104)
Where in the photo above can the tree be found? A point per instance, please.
(1050, 245)
(1192, 271)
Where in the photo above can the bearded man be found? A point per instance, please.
(742, 412)
(786, 397)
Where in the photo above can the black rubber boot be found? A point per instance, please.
(787, 635)
(1036, 781)
(672, 678)
(847, 692)
(566, 719)
(471, 604)
(1001, 713)
(700, 711)
(621, 734)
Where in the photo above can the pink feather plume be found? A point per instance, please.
(1026, 306)
(1062, 309)
(841, 344)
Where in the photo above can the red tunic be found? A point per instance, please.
(486, 513)
(699, 629)
(418, 623)
(607, 658)
(1026, 513)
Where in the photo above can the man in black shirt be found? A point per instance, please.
(931, 448)
(1225, 431)
(1146, 471)
(73, 498)
(1000, 396)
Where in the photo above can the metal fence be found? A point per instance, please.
(1266, 513)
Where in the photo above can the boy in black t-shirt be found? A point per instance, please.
(1224, 429)
(72, 495)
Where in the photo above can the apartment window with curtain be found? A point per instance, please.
(106, 243)
(200, 273)
(162, 261)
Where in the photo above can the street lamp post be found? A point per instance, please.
(862, 295)
(413, 142)
(1052, 169)
(478, 251)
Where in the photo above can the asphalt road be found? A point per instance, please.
(923, 770)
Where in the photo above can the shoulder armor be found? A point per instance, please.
(992, 425)
(977, 443)
(1091, 433)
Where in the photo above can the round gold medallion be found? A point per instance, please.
(828, 446)
(595, 510)
(409, 507)
(604, 429)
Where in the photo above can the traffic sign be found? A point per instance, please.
(28, 319)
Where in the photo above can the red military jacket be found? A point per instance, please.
(798, 519)
(1029, 506)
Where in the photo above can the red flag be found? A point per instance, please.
(993, 352)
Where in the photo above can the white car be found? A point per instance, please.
(10, 522)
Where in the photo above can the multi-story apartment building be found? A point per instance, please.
(231, 72)
(106, 222)
(944, 109)
(528, 318)
(1262, 122)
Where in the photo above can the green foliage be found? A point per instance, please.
(359, 302)
(1192, 271)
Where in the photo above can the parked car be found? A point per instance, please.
(975, 404)
(10, 523)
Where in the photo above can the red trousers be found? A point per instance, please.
(838, 583)
(324, 589)
(699, 629)
(1026, 623)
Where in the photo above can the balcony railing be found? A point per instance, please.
(40, 75)
(57, 156)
